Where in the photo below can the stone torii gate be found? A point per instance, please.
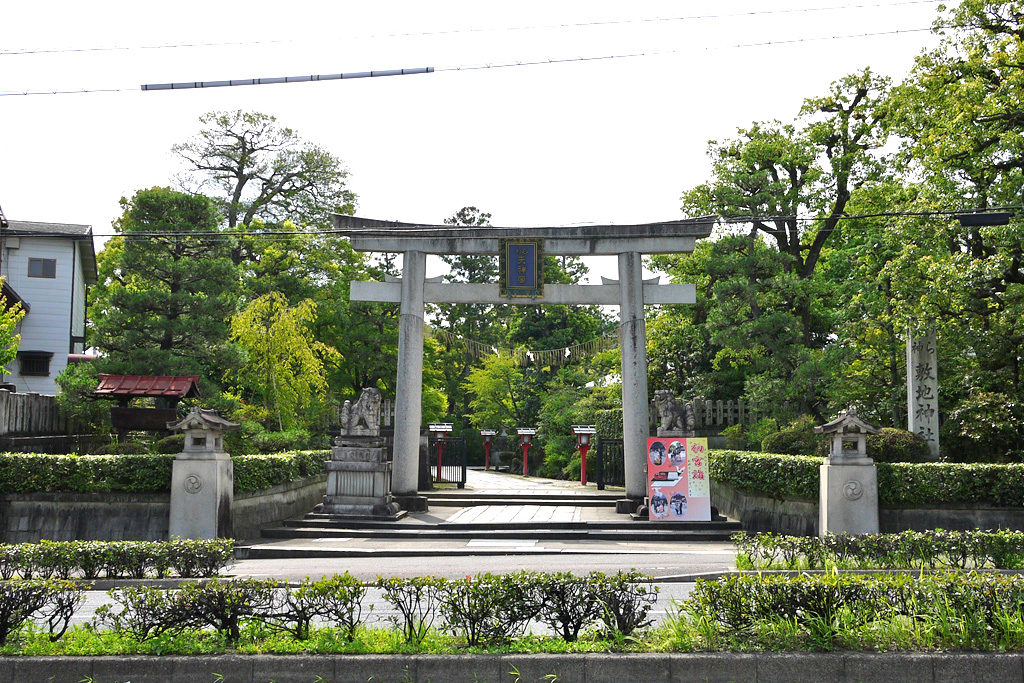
(630, 292)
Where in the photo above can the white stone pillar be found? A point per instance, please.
(633, 340)
(409, 388)
(923, 386)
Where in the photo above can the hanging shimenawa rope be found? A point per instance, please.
(524, 357)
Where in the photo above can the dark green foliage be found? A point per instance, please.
(984, 427)
(144, 612)
(972, 607)
(906, 550)
(51, 600)
(416, 600)
(490, 608)
(147, 473)
(175, 443)
(783, 477)
(224, 605)
(76, 401)
(626, 599)
(569, 603)
(115, 559)
(789, 477)
(254, 472)
(897, 445)
(796, 439)
(336, 600)
(278, 442)
(123, 448)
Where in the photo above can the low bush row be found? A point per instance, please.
(115, 559)
(955, 610)
(148, 473)
(788, 477)
(487, 609)
(937, 549)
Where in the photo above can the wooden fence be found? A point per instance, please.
(30, 415)
(727, 413)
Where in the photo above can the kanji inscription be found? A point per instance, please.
(923, 386)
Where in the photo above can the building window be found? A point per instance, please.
(42, 267)
(36, 363)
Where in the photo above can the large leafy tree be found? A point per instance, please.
(166, 289)
(259, 169)
(284, 363)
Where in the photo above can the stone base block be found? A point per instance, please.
(848, 499)
(627, 506)
(412, 502)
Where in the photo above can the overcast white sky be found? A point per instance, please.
(594, 141)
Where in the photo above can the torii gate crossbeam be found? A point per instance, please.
(629, 292)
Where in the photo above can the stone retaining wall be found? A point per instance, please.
(28, 518)
(648, 668)
(800, 517)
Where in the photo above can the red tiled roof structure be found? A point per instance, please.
(148, 385)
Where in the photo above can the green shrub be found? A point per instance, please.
(135, 559)
(568, 603)
(897, 445)
(223, 605)
(984, 427)
(490, 608)
(905, 550)
(51, 601)
(416, 600)
(900, 484)
(144, 612)
(796, 439)
(123, 448)
(735, 437)
(254, 472)
(277, 442)
(148, 473)
(626, 599)
(175, 443)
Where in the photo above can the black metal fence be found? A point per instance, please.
(611, 463)
(450, 454)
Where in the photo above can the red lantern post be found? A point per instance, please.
(439, 430)
(526, 435)
(488, 435)
(583, 434)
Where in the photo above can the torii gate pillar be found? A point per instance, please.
(409, 387)
(633, 340)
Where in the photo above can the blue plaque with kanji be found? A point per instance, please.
(521, 268)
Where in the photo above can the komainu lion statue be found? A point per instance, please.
(673, 416)
(362, 418)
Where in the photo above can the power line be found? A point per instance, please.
(464, 67)
(528, 27)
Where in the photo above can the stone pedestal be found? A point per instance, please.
(202, 490)
(202, 478)
(848, 499)
(359, 480)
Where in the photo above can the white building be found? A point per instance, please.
(47, 266)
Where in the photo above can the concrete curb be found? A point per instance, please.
(649, 668)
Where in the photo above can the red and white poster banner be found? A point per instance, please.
(677, 480)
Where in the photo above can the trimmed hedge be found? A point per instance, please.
(935, 549)
(115, 559)
(149, 473)
(788, 477)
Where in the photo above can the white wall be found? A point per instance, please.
(46, 327)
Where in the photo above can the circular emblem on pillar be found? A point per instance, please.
(853, 490)
(193, 484)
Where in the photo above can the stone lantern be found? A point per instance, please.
(202, 478)
(849, 480)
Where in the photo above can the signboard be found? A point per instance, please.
(440, 426)
(677, 480)
(521, 268)
(526, 431)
